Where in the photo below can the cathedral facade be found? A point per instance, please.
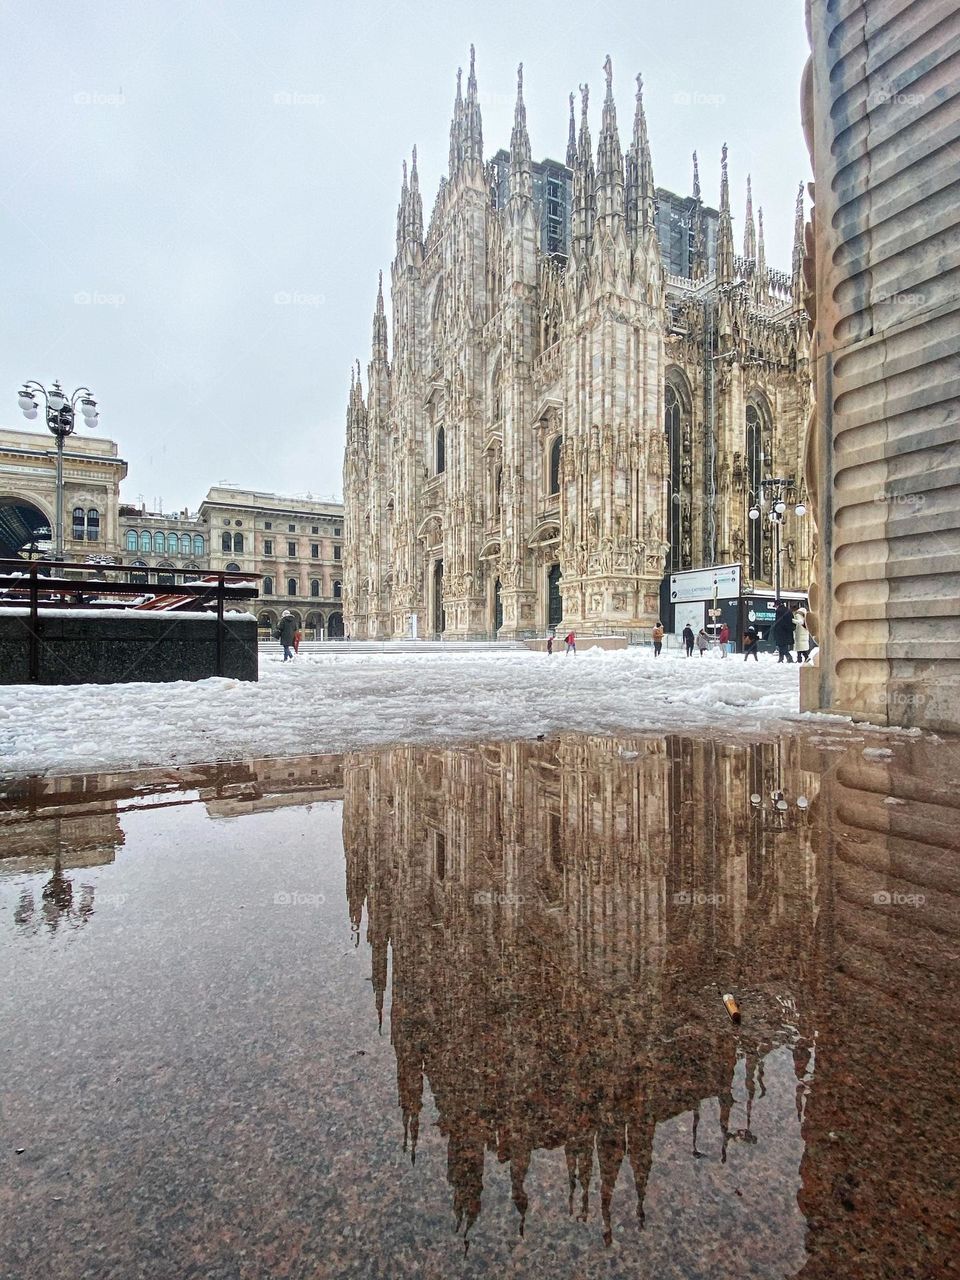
(587, 389)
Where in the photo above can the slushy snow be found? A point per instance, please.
(321, 702)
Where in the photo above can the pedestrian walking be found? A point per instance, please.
(751, 643)
(724, 638)
(689, 639)
(549, 644)
(286, 632)
(703, 641)
(297, 637)
(570, 640)
(801, 636)
(657, 638)
(782, 633)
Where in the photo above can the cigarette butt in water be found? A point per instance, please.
(731, 1006)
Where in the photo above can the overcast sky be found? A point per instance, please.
(196, 197)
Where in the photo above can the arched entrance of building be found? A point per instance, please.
(314, 628)
(25, 530)
(554, 599)
(266, 624)
(439, 615)
(335, 626)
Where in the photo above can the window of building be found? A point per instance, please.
(146, 542)
(441, 451)
(268, 546)
(79, 522)
(165, 575)
(336, 552)
(238, 544)
(159, 544)
(291, 528)
(315, 528)
(138, 572)
(133, 540)
(337, 590)
(292, 549)
(173, 544)
(185, 544)
(315, 550)
(315, 586)
(226, 543)
(336, 531)
(268, 524)
(267, 587)
(675, 424)
(555, 450)
(233, 567)
(93, 525)
(198, 544)
(292, 587)
(757, 450)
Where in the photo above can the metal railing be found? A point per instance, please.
(32, 583)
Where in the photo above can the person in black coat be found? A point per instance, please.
(285, 633)
(688, 639)
(782, 633)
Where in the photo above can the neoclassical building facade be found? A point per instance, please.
(587, 389)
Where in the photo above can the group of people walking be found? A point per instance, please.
(701, 641)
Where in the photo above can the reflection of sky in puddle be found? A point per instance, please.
(198, 961)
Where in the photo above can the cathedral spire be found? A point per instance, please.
(402, 209)
(696, 178)
(798, 250)
(521, 181)
(583, 206)
(380, 354)
(641, 193)
(572, 138)
(609, 206)
(415, 203)
(456, 125)
(749, 234)
(725, 228)
(761, 252)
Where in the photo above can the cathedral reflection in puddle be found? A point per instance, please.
(521, 1060)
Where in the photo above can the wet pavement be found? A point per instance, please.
(457, 1012)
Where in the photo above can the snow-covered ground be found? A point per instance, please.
(325, 703)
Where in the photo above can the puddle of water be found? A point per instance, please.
(458, 1011)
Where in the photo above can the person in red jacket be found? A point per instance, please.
(570, 640)
(723, 636)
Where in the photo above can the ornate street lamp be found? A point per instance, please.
(60, 414)
(777, 504)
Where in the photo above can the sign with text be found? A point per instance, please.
(704, 584)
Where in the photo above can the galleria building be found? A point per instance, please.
(587, 391)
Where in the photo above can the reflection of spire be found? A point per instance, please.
(610, 1152)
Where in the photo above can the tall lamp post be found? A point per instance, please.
(60, 413)
(775, 508)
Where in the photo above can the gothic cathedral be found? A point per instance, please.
(588, 388)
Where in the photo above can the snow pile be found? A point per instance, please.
(328, 703)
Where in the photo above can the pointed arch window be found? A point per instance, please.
(676, 427)
(441, 451)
